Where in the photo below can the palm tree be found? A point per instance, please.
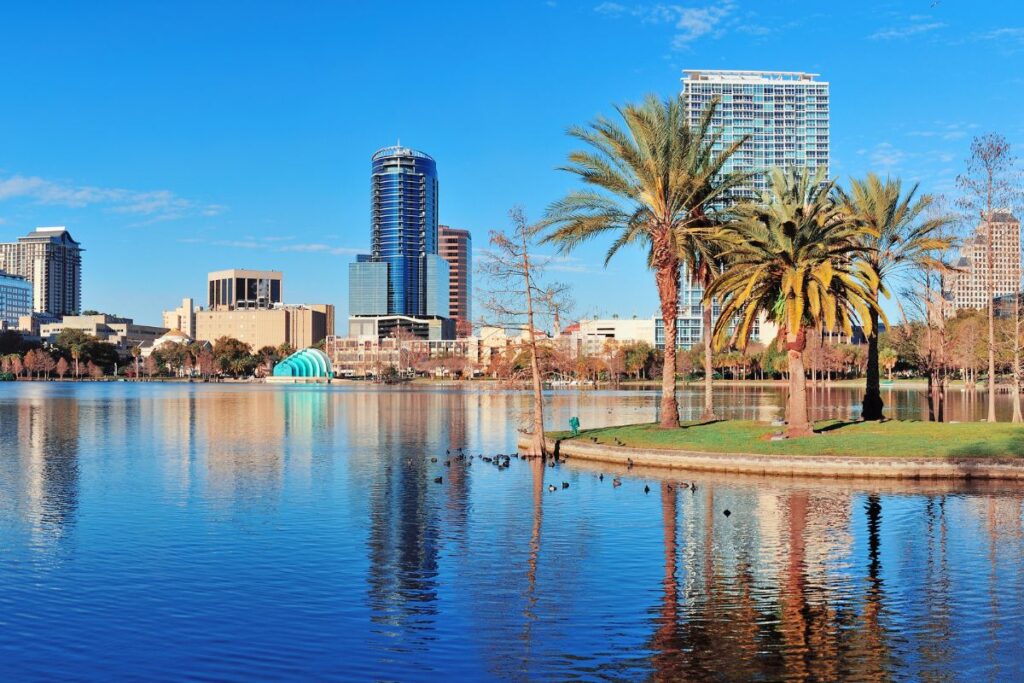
(136, 352)
(899, 240)
(701, 256)
(795, 256)
(651, 184)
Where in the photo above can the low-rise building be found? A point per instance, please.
(368, 356)
(121, 332)
(384, 326)
(299, 326)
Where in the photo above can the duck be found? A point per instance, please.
(551, 488)
(726, 512)
(438, 480)
(629, 463)
(565, 484)
(693, 486)
(600, 477)
(616, 482)
(433, 460)
(647, 489)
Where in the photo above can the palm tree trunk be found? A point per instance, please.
(796, 410)
(872, 408)
(709, 371)
(667, 277)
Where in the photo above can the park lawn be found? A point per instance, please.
(838, 438)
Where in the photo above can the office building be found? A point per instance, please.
(15, 299)
(182, 318)
(456, 247)
(244, 289)
(52, 261)
(299, 326)
(403, 275)
(968, 287)
(420, 327)
(786, 115)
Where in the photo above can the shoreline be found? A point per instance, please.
(818, 466)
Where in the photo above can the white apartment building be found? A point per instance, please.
(785, 113)
(969, 287)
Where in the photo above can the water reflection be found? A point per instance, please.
(40, 481)
(321, 507)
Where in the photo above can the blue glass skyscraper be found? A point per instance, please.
(403, 262)
(404, 224)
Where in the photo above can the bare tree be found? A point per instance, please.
(989, 183)
(515, 297)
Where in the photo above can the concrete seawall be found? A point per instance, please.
(827, 466)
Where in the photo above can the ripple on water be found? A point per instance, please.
(230, 533)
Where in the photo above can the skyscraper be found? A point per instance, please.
(15, 299)
(403, 276)
(786, 115)
(969, 285)
(456, 247)
(52, 261)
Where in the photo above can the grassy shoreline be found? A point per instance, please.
(891, 438)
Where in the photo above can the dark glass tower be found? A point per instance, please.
(404, 224)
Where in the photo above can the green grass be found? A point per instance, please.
(890, 438)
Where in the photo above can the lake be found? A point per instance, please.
(249, 532)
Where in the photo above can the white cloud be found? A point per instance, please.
(886, 158)
(613, 9)
(274, 243)
(944, 131)
(317, 247)
(690, 23)
(1008, 40)
(918, 25)
(155, 204)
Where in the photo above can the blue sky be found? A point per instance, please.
(177, 138)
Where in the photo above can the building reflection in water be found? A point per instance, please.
(805, 580)
(393, 432)
(45, 462)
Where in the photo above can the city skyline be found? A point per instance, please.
(159, 196)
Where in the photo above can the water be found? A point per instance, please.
(286, 533)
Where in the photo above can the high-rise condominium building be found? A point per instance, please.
(403, 275)
(15, 299)
(456, 247)
(52, 261)
(241, 289)
(785, 114)
(969, 286)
